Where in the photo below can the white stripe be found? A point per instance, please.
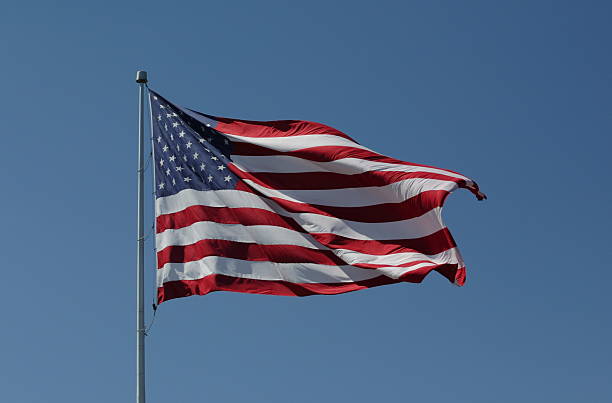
(330, 197)
(451, 256)
(416, 227)
(394, 273)
(313, 223)
(308, 273)
(396, 192)
(260, 234)
(346, 166)
(272, 235)
(293, 143)
(212, 198)
(292, 272)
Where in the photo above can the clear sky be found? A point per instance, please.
(515, 94)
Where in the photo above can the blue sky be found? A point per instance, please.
(516, 95)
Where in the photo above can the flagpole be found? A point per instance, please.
(141, 79)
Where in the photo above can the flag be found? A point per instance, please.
(290, 208)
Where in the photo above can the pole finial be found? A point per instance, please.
(141, 77)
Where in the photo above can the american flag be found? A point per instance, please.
(290, 208)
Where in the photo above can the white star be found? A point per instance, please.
(154, 97)
(185, 158)
(159, 139)
(210, 178)
(201, 140)
(171, 136)
(158, 117)
(165, 148)
(174, 114)
(189, 143)
(182, 134)
(161, 163)
(195, 156)
(221, 167)
(172, 158)
(202, 166)
(173, 181)
(226, 142)
(187, 179)
(161, 185)
(207, 124)
(207, 150)
(166, 126)
(214, 158)
(179, 168)
(168, 115)
(161, 106)
(178, 147)
(227, 178)
(168, 171)
(175, 124)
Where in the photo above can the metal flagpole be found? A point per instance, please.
(141, 79)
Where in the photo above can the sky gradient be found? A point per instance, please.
(516, 95)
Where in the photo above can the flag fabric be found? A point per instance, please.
(290, 208)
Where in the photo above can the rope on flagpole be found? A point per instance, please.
(147, 163)
(148, 329)
(154, 194)
(146, 237)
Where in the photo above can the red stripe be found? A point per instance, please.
(288, 253)
(323, 154)
(285, 128)
(453, 274)
(277, 128)
(387, 212)
(219, 282)
(413, 207)
(224, 215)
(333, 153)
(246, 251)
(432, 244)
(332, 180)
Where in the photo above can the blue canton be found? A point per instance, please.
(188, 152)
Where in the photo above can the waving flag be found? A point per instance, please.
(291, 208)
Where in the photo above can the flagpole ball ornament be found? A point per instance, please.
(141, 77)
